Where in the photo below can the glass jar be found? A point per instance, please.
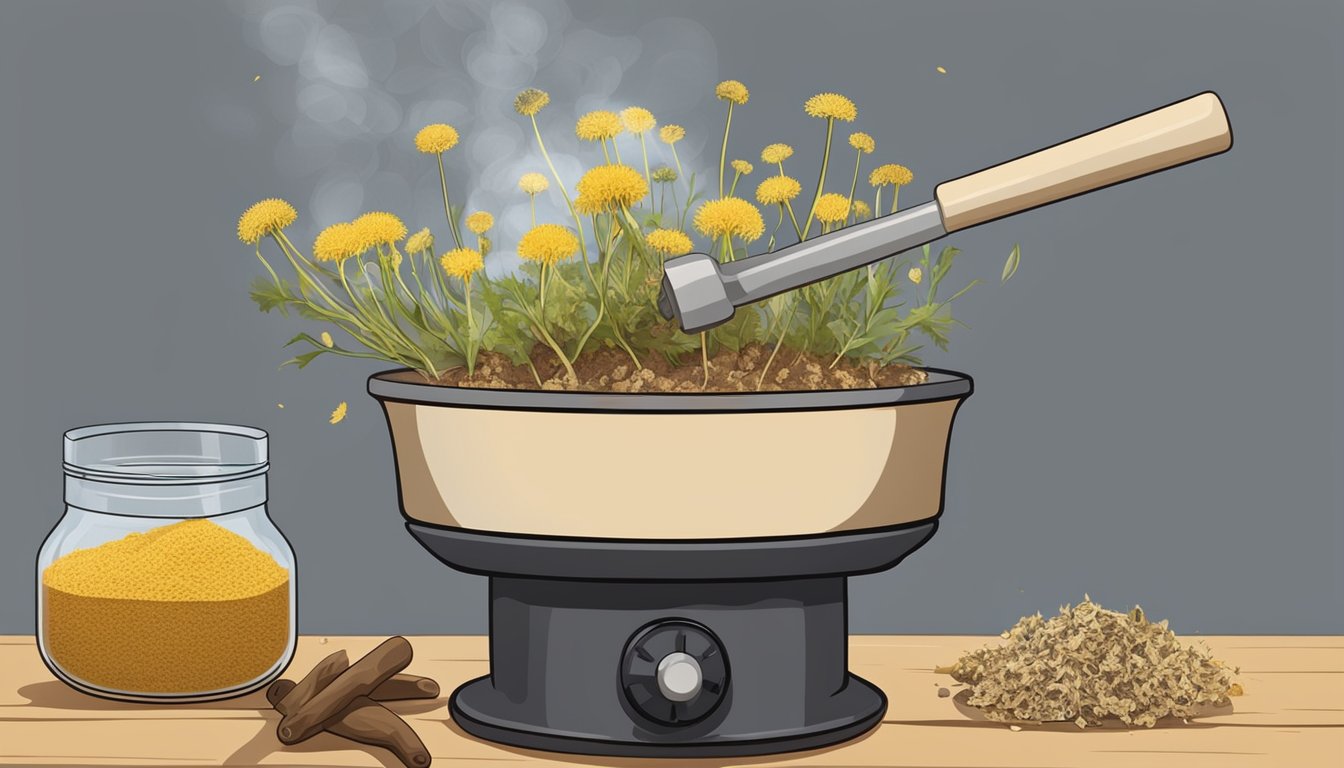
(165, 580)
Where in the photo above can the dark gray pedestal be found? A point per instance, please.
(578, 629)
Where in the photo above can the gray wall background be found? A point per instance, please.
(1157, 416)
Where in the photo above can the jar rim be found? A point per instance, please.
(165, 451)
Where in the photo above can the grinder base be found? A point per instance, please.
(481, 711)
(579, 657)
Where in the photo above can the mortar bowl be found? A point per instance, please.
(670, 466)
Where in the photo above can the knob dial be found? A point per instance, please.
(674, 672)
(679, 676)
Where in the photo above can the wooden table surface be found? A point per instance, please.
(1292, 714)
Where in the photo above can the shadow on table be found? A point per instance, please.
(972, 717)
(53, 694)
(637, 762)
(264, 743)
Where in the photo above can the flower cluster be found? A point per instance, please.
(592, 278)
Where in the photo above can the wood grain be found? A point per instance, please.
(1292, 714)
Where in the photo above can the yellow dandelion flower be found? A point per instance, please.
(671, 134)
(462, 262)
(916, 275)
(664, 174)
(862, 142)
(778, 189)
(862, 210)
(480, 222)
(379, 228)
(742, 167)
(637, 120)
(608, 187)
(533, 183)
(327, 341)
(420, 242)
(832, 207)
(890, 173)
(531, 101)
(338, 415)
(338, 243)
(670, 242)
(731, 217)
(598, 125)
(732, 90)
(831, 106)
(436, 138)
(548, 244)
(265, 218)
(776, 154)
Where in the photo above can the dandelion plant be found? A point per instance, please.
(591, 281)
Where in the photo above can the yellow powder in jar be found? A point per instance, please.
(188, 607)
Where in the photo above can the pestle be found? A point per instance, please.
(700, 293)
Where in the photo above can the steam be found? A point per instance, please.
(357, 81)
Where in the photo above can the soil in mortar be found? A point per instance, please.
(611, 370)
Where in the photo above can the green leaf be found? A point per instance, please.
(304, 359)
(1010, 266)
(941, 267)
(841, 330)
(268, 295)
(307, 338)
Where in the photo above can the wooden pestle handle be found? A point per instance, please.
(1164, 138)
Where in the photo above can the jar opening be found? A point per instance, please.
(165, 451)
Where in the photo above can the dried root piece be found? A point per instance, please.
(389, 658)
(1088, 664)
(368, 722)
(342, 698)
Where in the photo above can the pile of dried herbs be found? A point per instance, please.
(1087, 664)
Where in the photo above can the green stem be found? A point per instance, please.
(605, 153)
(723, 157)
(821, 179)
(895, 192)
(471, 319)
(274, 278)
(541, 291)
(854, 185)
(440, 279)
(374, 324)
(733, 189)
(794, 219)
(295, 257)
(775, 231)
(704, 346)
(630, 255)
(448, 208)
(680, 174)
(578, 223)
(648, 178)
(782, 333)
(532, 203)
(550, 342)
(877, 202)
